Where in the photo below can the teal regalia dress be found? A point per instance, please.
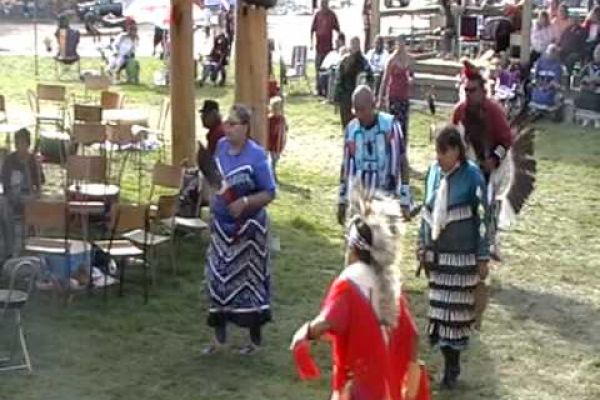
(452, 256)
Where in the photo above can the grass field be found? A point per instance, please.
(540, 339)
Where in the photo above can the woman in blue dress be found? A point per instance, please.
(453, 247)
(238, 260)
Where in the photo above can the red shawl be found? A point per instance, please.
(378, 370)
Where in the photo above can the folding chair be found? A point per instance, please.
(87, 181)
(89, 195)
(122, 137)
(4, 120)
(95, 83)
(159, 131)
(54, 98)
(169, 176)
(111, 100)
(130, 238)
(86, 135)
(22, 274)
(3, 116)
(87, 113)
(42, 216)
(297, 69)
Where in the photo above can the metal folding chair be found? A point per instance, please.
(131, 238)
(111, 100)
(170, 176)
(51, 216)
(159, 131)
(22, 274)
(298, 67)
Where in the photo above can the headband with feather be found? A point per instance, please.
(383, 216)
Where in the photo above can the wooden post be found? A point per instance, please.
(375, 21)
(251, 66)
(183, 113)
(526, 17)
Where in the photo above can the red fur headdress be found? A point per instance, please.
(470, 71)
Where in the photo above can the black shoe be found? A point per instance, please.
(449, 379)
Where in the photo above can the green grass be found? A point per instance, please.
(540, 338)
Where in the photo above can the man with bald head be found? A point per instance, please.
(374, 153)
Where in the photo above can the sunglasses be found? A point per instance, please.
(233, 123)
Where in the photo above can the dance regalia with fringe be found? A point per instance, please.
(370, 362)
(238, 262)
(372, 156)
(454, 235)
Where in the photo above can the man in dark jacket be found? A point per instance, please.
(22, 178)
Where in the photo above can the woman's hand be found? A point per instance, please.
(237, 207)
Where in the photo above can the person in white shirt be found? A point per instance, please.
(124, 46)
(378, 57)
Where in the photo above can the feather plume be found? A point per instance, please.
(514, 180)
(384, 217)
(209, 168)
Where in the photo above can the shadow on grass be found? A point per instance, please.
(478, 380)
(571, 319)
(299, 190)
(123, 349)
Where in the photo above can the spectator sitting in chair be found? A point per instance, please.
(592, 27)
(217, 62)
(22, 178)
(572, 45)
(548, 75)
(589, 97)
(124, 57)
(68, 40)
(330, 62)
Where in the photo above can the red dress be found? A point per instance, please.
(277, 129)
(374, 368)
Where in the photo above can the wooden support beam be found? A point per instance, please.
(375, 21)
(526, 17)
(251, 66)
(183, 113)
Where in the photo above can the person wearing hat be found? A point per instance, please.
(211, 120)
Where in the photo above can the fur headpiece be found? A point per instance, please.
(384, 218)
(470, 71)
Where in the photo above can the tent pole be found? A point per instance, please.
(35, 37)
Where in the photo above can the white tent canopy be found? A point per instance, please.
(156, 12)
